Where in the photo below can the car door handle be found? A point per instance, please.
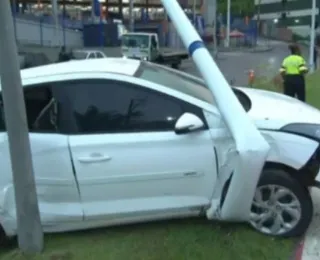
(94, 158)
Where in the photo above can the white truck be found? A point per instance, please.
(145, 46)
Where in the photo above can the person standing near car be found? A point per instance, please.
(293, 72)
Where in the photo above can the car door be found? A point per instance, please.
(127, 157)
(58, 196)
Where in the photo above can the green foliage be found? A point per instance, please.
(244, 7)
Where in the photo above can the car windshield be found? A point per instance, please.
(184, 83)
(79, 55)
(135, 40)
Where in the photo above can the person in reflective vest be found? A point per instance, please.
(293, 71)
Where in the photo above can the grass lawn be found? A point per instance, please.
(312, 82)
(192, 239)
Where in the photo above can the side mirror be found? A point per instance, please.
(188, 123)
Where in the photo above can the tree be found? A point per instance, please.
(241, 7)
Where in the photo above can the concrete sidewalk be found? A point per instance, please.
(311, 243)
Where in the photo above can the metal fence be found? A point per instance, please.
(40, 32)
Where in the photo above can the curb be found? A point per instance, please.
(262, 50)
(298, 252)
(267, 49)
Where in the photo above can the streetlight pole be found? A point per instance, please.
(194, 12)
(228, 24)
(215, 28)
(312, 36)
(54, 7)
(30, 235)
(131, 16)
(258, 18)
(14, 11)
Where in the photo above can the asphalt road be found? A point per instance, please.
(235, 65)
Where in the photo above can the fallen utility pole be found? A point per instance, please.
(30, 235)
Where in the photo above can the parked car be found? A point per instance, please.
(119, 141)
(87, 54)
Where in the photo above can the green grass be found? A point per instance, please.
(312, 90)
(193, 239)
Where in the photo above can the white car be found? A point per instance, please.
(88, 54)
(119, 141)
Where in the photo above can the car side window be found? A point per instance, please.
(107, 106)
(99, 55)
(92, 56)
(41, 109)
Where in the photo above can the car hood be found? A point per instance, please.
(272, 110)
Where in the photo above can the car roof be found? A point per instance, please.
(109, 65)
(139, 33)
(85, 51)
(81, 50)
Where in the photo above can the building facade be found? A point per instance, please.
(151, 8)
(293, 14)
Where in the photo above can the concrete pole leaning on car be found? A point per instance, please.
(312, 36)
(249, 142)
(228, 24)
(131, 16)
(30, 235)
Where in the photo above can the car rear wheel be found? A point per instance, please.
(281, 206)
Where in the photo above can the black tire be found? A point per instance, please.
(4, 240)
(282, 178)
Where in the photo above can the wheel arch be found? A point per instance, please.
(305, 175)
(299, 175)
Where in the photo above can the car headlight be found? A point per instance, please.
(144, 58)
(308, 130)
(124, 57)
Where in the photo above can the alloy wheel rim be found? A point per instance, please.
(275, 210)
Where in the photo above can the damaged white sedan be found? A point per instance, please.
(121, 141)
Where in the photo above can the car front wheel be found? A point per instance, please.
(281, 206)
